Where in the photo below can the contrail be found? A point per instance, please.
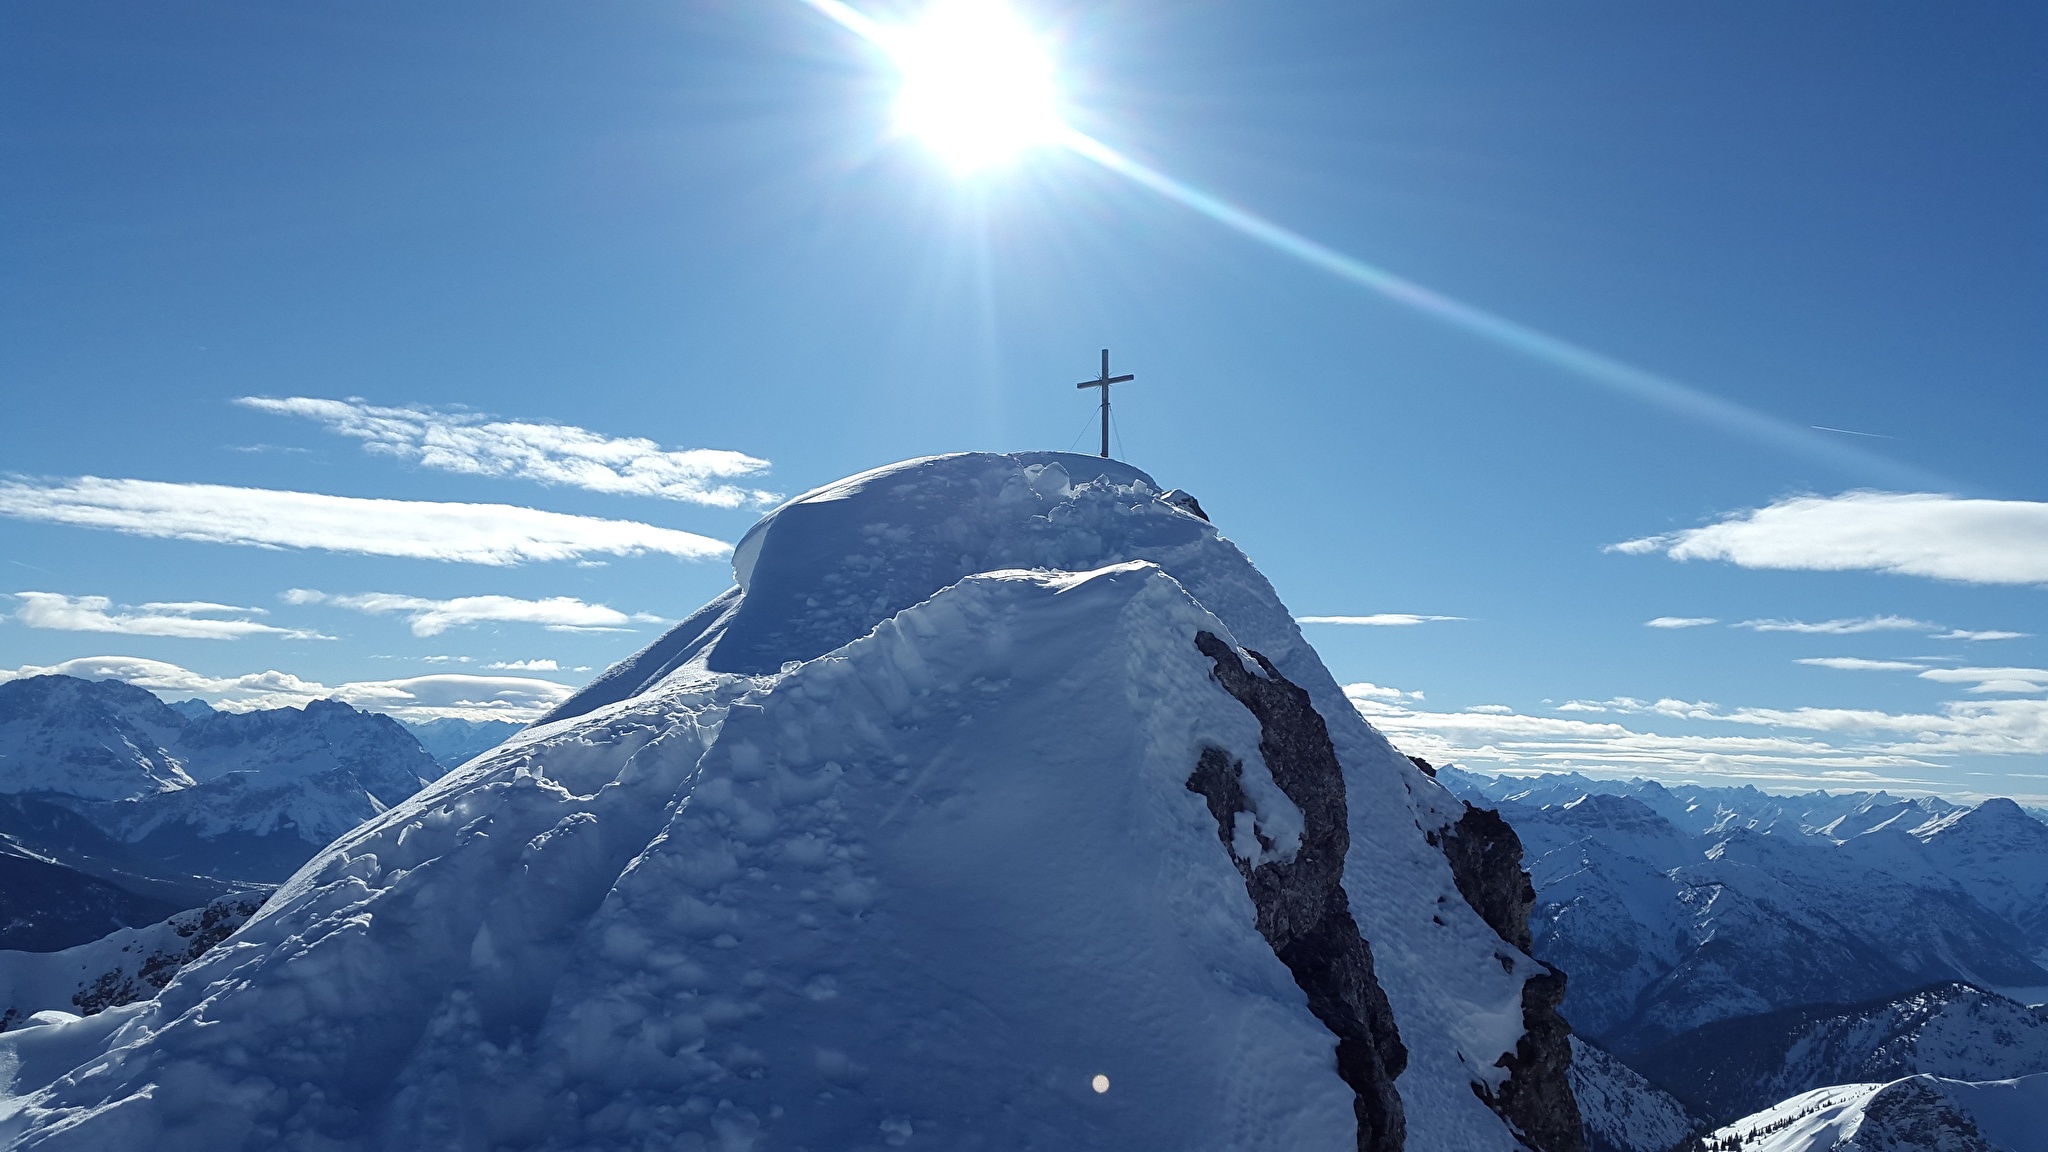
(1627, 379)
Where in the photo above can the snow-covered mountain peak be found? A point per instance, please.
(101, 740)
(1997, 822)
(824, 568)
(1003, 806)
(1614, 813)
(1881, 812)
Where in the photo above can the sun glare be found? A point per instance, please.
(977, 84)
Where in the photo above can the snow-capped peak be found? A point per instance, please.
(980, 813)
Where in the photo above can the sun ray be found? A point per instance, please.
(979, 89)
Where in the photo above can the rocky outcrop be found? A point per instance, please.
(1303, 910)
(1486, 862)
(196, 931)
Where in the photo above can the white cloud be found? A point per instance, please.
(1839, 627)
(1805, 747)
(1680, 622)
(200, 608)
(1497, 741)
(465, 697)
(1382, 620)
(1857, 664)
(549, 453)
(1914, 533)
(414, 698)
(433, 617)
(238, 693)
(1375, 692)
(1990, 680)
(189, 620)
(1964, 634)
(417, 529)
(525, 666)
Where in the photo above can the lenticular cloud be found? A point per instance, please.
(496, 534)
(548, 453)
(1913, 533)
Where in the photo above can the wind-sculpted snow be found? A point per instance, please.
(829, 565)
(909, 866)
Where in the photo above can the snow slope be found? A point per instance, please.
(1914, 1114)
(891, 845)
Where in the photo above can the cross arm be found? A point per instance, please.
(1097, 383)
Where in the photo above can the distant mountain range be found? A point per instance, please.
(102, 775)
(118, 810)
(1737, 948)
(453, 742)
(1735, 958)
(1734, 1067)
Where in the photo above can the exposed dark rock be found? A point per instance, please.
(1303, 911)
(198, 930)
(1427, 768)
(1185, 501)
(1486, 862)
(1911, 1114)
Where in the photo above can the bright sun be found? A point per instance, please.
(977, 85)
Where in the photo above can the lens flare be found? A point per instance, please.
(977, 84)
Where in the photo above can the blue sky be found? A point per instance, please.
(694, 224)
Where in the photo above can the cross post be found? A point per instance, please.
(1103, 382)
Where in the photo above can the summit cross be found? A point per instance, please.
(1103, 382)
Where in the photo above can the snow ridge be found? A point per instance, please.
(1913, 1114)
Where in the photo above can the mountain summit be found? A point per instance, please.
(999, 805)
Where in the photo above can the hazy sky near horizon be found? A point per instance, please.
(281, 283)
